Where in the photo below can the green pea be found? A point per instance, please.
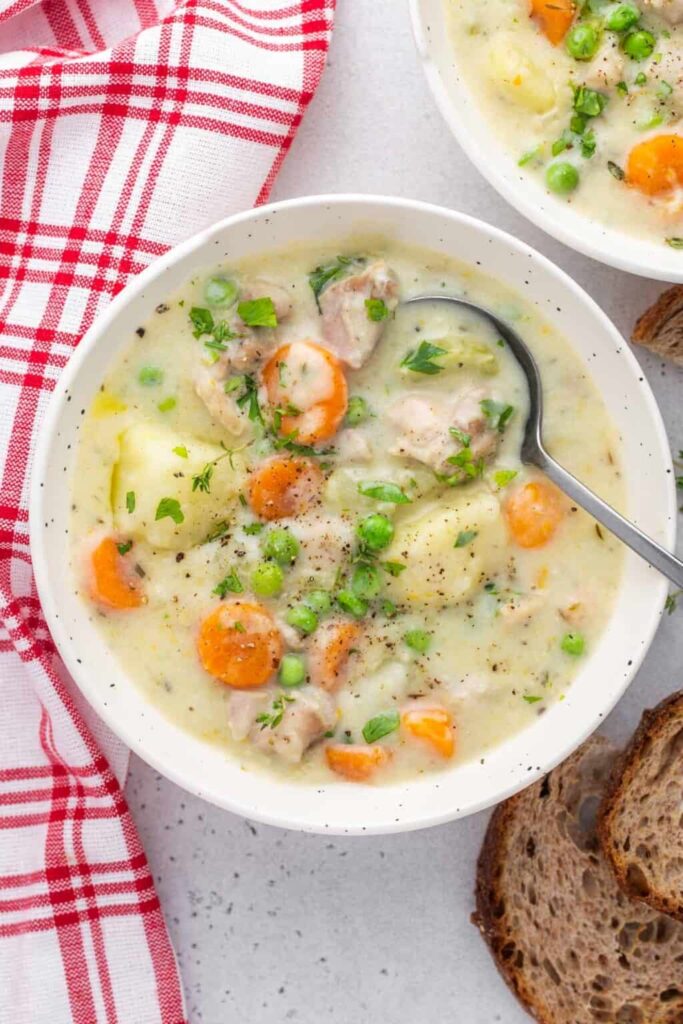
(318, 601)
(302, 618)
(267, 579)
(639, 45)
(366, 582)
(292, 670)
(376, 531)
(220, 291)
(281, 546)
(562, 177)
(358, 411)
(582, 41)
(351, 603)
(622, 18)
(150, 375)
(573, 643)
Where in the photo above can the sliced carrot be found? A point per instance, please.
(113, 582)
(432, 725)
(284, 487)
(307, 383)
(356, 762)
(533, 513)
(656, 164)
(240, 644)
(329, 654)
(554, 17)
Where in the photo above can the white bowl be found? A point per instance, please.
(476, 135)
(342, 807)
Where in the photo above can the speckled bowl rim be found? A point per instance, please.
(462, 114)
(341, 808)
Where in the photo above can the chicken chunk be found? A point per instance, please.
(243, 708)
(308, 715)
(209, 384)
(353, 446)
(422, 424)
(672, 10)
(347, 328)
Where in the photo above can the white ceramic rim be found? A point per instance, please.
(649, 612)
(614, 248)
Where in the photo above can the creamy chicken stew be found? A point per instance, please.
(301, 521)
(588, 97)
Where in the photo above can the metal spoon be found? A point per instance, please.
(533, 451)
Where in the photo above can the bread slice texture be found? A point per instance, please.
(640, 825)
(660, 328)
(571, 945)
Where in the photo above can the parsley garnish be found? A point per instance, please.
(589, 102)
(394, 568)
(258, 312)
(202, 321)
(615, 170)
(230, 584)
(531, 699)
(169, 508)
(421, 359)
(333, 271)
(376, 310)
(464, 460)
(497, 413)
(464, 538)
(502, 477)
(383, 492)
(123, 549)
(130, 501)
(273, 718)
(248, 398)
(672, 601)
(167, 404)
(219, 530)
(460, 436)
(181, 451)
(252, 529)
(150, 375)
(381, 725)
(202, 481)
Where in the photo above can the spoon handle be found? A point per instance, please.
(634, 538)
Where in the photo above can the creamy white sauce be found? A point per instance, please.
(493, 610)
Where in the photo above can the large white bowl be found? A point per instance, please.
(476, 134)
(343, 807)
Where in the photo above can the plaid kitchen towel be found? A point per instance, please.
(125, 126)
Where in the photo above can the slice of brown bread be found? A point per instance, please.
(640, 824)
(571, 945)
(660, 328)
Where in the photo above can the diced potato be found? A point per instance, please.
(438, 572)
(149, 468)
(518, 77)
(473, 354)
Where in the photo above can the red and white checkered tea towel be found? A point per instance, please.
(125, 126)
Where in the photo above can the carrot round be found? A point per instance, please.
(329, 654)
(533, 513)
(554, 17)
(433, 725)
(284, 487)
(113, 582)
(656, 164)
(307, 382)
(240, 644)
(356, 762)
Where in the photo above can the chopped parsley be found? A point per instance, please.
(249, 398)
(130, 501)
(469, 467)
(615, 170)
(381, 725)
(252, 529)
(230, 584)
(589, 102)
(180, 451)
(464, 538)
(460, 436)
(497, 413)
(167, 404)
(271, 719)
(123, 549)
(394, 568)
(502, 477)
(383, 492)
(422, 359)
(258, 312)
(531, 699)
(418, 640)
(202, 321)
(219, 530)
(150, 375)
(672, 601)
(169, 508)
(376, 310)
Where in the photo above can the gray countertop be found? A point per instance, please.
(273, 926)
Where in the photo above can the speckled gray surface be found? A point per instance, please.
(271, 926)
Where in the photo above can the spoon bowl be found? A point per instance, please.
(534, 453)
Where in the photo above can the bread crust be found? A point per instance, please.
(660, 328)
(654, 726)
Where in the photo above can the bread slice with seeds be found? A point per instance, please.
(640, 825)
(571, 945)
